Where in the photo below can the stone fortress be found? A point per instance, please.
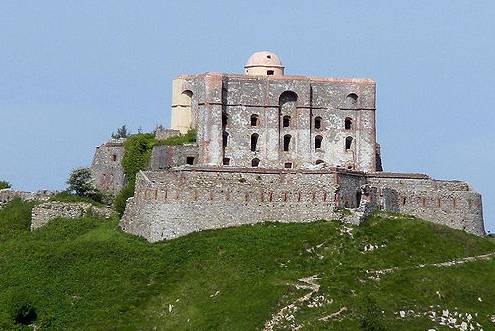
(272, 147)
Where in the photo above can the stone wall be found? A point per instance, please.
(172, 203)
(106, 167)
(164, 156)
(222, 106)
(168, 204)
(162, 134)
(45, 212)
(8, 194)
(452, 203)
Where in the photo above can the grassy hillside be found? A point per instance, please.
(88, 275)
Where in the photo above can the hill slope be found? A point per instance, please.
(87, 274)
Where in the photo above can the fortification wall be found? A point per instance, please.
(164, 156)
(452, 203)
(168, 204)
(106, 167)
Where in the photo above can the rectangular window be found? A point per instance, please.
(270, 72)
(190, 160)
(288, 165)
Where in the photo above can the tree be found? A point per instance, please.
(4, 184)
(81, 183)
(121, 133)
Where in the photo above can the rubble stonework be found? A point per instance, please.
(45, 212)
(280, 148)
(8, 194)
(106, 167)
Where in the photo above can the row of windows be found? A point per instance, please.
(256, 162)
(287, 139)
(255, 121)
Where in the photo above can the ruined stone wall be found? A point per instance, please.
(8, 194)
(164, 156)
(106, 167)
(452, 203)
(44, 213)
(223, 104)
(168, 204)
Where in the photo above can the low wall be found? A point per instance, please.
(168, 204)
(45, 212)
(8, 194)
(171, 203)
(452, 203)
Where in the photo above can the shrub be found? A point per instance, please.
(122, 132)
(372, 319)
(4, 184)
(81, 184)
(120, 200)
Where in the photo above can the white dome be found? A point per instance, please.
(264, 59)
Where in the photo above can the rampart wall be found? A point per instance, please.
(452, 203)
(169, 204)
(106, 167)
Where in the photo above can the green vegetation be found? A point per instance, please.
(122, 132)
(137, 153)
(80, 183)
(88, 275)
(4, 184)
(69, 197)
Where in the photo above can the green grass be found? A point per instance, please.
(68, 197)
(86, 274)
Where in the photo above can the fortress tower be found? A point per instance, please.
(266, 119)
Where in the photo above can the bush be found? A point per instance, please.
(81, 184)
(188, 138)
(120, 200)
(4, 184)
(95, 199)
(372, 319)
(121, 133)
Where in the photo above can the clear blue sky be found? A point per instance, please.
(71, 72)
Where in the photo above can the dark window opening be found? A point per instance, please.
(270, 72)
(286, 142)
(288, 165)
(348, 123)
(404, 200)
(224, 120)
(255, 120)
(318, 123)
(350, 167)
(348, 143)
(254, 142)
(286, 121)
(358, 198)
(255, 162)
(318, 140)
(226, 161)
(352, 98)
(225, 138)
(319, 161)
(114, 157)
(268, 56)
(190, 160)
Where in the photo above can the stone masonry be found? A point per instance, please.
(106, 167)
(272, 147)
(44, 213)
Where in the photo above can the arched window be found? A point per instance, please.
(348, 143)
(348, 123)
(318, 140)
(254, 141)
(319, 161)
(287, 142)
(317, 122)
(255, 162)
(225, 137)
(286, 121)
(351, 100)
(255, 120)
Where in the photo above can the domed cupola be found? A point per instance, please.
(264, 63)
